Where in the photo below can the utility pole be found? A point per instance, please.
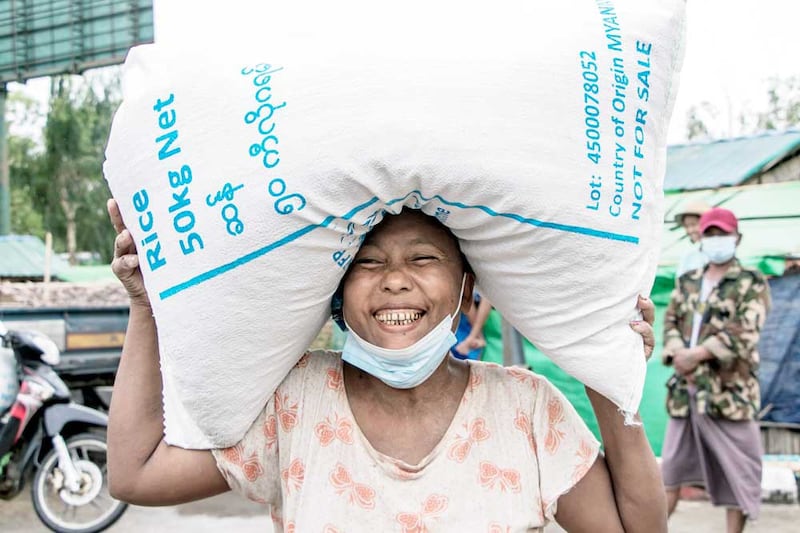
(5, 185)
(513, 352)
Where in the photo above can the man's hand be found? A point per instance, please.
(686, 360)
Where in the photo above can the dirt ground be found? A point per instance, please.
(229, 512)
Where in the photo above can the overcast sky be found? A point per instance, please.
(733, 48)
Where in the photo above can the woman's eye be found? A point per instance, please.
(423, 258)
(367, 261)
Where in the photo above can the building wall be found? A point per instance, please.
(787, 171)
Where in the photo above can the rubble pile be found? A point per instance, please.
(30, 295)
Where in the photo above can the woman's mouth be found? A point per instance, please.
(398, 317)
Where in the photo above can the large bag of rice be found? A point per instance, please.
(535, 130)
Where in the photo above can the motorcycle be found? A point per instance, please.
(61, 443)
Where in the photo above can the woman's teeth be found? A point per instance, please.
(399, 318)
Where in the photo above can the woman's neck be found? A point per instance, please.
(451, 375)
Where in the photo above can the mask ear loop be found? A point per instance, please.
(460, 296)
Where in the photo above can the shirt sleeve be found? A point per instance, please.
(251, 466)
(740, 334)
(673, 337)
(565, 447)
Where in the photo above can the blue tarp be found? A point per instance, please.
(779, 348)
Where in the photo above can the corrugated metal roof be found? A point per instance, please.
(726, 162)
(22, 256)
(769, 220)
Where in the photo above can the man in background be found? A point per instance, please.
(711, 329)
(689, 219)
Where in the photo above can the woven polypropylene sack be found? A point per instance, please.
(249, 176)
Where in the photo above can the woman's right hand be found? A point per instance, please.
(125, 264)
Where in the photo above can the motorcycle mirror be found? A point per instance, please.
(50, 352)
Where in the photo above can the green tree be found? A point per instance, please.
(25, 165)
(696, 121)
(783, 108)
(782, 112)
(74, 191)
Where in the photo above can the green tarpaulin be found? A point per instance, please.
(770, 224)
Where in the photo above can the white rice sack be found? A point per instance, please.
(535, 130)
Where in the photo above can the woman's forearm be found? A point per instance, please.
(135, 426)
(635, 476)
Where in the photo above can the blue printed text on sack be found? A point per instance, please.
(266, 147)
(179, 178)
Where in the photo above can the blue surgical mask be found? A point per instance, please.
(403, 368)
(720, 249)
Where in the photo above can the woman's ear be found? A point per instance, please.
(469, 286)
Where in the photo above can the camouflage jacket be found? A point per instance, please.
(733, 315)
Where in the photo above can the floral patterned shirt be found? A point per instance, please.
(514, 446)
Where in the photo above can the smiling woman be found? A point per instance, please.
(405, 280)
(392, 434)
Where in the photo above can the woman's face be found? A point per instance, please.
(404, 280)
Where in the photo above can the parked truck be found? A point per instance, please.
(86, 321)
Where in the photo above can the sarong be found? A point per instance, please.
(724, 456)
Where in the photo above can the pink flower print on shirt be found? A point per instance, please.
(523, 423)
(476, 432)
(334, 379)
(434, 505)
(285, 411)
(497, 528)
(329, 529)
(357, 493)
(294, 476)
(250, 465)
(271, 431)
(555, 416)
(340, 428)
(523, 376)
(585, 454)
(234, 454)
(506, 479)
(474, 382)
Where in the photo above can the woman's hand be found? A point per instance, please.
(644, 327)
(125, 264)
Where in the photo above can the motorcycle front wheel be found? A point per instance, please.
(87, 510)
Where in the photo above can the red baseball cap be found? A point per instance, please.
(721, 218)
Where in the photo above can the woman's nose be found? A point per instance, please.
(395, 279)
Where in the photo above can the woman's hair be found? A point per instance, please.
(337, 302)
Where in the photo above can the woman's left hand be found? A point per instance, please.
(644, 327)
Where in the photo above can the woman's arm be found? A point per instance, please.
(623, 491)
(143, 469)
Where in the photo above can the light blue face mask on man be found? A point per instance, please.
(404, 368)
